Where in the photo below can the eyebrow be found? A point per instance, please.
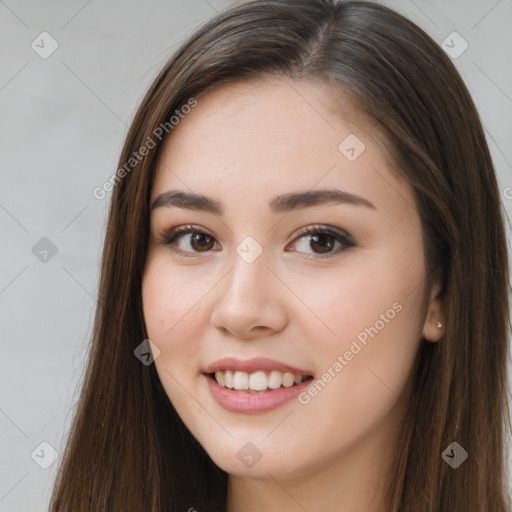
(280, 204)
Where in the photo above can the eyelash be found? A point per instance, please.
(170, 237)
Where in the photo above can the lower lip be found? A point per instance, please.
(250, 403)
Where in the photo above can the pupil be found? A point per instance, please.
(325, 247)
(199, 238)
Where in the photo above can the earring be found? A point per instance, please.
(439, 325)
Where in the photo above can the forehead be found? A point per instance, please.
(270, 138)
(278, 115)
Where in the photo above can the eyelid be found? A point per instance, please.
(343, 237)
(324, 228)
(172, 234)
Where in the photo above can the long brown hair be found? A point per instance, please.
(128, 450)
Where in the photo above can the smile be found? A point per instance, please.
(258, 381)
(254, 401)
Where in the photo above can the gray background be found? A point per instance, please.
(63, 123)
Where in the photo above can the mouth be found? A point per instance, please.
(254, 385)
(276, 389)
(261, 381)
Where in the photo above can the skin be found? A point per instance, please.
(244, 144)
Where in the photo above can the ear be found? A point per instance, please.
(435, 314)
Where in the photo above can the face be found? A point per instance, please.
(343, 305)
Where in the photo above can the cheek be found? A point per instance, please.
(358, 299)
(365, 365)
(173, 325)
(369, 314)
(172, 316)
(171, 299)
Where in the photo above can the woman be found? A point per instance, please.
(304, 291)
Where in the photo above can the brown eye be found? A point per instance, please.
(187, 240)
(322, 240)
(201, 241)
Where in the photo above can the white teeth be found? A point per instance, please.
(288, 379)
(241, 380)
(228, 378)
(257, 381)
(219, 376)
(275, 379)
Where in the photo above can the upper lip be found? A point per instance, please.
(253, 365)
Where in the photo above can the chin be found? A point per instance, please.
(249, 461)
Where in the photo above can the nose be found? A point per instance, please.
(250, 301)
